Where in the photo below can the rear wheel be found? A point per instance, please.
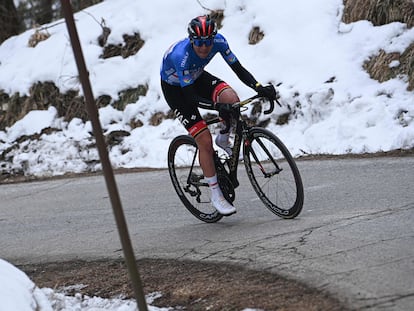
(273, 173)
(188, 179)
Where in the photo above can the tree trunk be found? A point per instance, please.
(9, 20)
(44, 12)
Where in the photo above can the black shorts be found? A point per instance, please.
(207, 86)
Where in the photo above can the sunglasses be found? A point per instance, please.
(201, 42)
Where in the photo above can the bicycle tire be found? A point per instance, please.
(187, 178)
(273, 173)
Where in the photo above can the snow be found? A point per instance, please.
(305, 46)
(19, 293)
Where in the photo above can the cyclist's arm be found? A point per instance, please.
(245, 76)
(191, 96)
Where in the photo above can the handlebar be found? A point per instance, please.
(251, 99)
(247, 101)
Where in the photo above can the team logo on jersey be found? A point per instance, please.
(187, 80)
(228, 52)
(184, 60)
(186, 72)
(169, 71)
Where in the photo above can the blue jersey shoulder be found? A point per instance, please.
(181, 65)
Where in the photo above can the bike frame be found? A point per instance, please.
(263, 150)
(233, 161)
(240, 135)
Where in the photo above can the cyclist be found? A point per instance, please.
(187, 86)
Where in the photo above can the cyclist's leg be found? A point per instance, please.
(205, 146)
(197, 127)
(218, 91)
(190, 118)
(226, 96)
(215, 89)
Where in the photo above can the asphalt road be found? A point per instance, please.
(354, 238)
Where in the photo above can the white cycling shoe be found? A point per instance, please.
(222, 206)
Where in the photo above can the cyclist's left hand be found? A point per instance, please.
(267, 91)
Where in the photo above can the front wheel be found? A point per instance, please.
(273, 173)
(188, 179)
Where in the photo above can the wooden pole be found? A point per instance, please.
(103, 154)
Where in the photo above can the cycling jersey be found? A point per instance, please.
(187, 86)
(181, 66)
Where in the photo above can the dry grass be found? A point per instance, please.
(69, 105)
(379, 12)
(256, 35)
(187, 285)
(38, 36)
(379, 66)
(132, 44)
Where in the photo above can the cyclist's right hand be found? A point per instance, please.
(225, 112)
(267, 91)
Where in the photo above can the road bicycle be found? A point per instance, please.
(270, 167)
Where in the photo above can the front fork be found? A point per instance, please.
(266, 174)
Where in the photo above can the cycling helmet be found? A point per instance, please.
(202, 27)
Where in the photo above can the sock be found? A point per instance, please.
(214, 186)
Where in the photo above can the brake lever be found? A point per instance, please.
(278, 102)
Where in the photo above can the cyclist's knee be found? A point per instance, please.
(223, 93)
(228, 96)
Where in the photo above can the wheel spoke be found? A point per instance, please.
(188, 179)
(273, 174)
